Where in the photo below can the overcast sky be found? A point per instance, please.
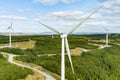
(59, 14)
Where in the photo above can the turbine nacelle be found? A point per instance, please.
(9, 28)
(63, 36)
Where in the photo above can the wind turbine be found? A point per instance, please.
(65, 43)
(106, 36)
(10, 31)
(52, 35)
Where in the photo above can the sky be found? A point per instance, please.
(62, 15)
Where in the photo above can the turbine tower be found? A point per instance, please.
(66, 45)
(106, 36)
(52, 36)
(10, 31)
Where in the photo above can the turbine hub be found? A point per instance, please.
(63, 35)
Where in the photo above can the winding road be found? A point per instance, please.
(10, 59)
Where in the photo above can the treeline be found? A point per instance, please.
(101, 36)
(5, 39)
(95, 65)
(16, 51)
(78, 41)
(46, 44)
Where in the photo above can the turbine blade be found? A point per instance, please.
(12, 21)
(68, 52)
(105, 29)
(12, 29)
(8, 28)
(74, 28)
(51, 28)
(11, 24)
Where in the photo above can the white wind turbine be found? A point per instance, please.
(65, 43)
(106, 36)
(52, 35)
(10, 32)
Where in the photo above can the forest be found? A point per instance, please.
(96, 64)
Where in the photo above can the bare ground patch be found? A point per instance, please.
(22, 45)
(78, 51)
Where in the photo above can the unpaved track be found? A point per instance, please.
(10, 59)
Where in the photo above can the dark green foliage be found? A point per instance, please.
(48, 46)
(95, 65)
(12, 72)
(80, 42)
(53, 46)
(42, 60)
(1, 56)
(5, 39)
(96, 36)
(101, 64)
(16, 51)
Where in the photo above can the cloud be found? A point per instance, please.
(102, 0)
(112, 6)
(108, 16)
(64, 19)
(52, 2)
(111, 11)
(24, 10)
(69, 1)
(47, 2)
(20, 10)
(11, 17)
(62, 15)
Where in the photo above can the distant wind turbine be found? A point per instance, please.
(106, 36)
(52, 35)
(65, 43)
(10, 31)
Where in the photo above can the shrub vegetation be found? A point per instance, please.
(95, 65)
(10, 71)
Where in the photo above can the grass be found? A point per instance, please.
(24, 45)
